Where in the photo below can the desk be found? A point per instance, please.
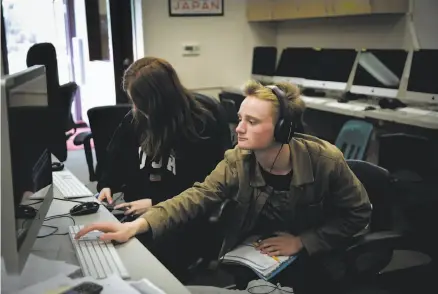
(139, 262)
(409, 115)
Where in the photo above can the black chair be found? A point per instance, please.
(367, 253)
(232, 118)
(67, 94)
(371, 252)
(391, 229)
(103, 121)
(60, 97)
(220, 114)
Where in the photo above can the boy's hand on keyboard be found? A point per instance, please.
(135, 207)
(105, 195)
(120, 232)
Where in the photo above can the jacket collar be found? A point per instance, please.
(301, 166)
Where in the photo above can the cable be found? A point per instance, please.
(277, 287)
(56, 228)
(257, 197)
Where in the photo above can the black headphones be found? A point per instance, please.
(284, 128)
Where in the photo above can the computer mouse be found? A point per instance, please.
(57, 166)
(25, 212)
(369, 108)
(386, 103)
(85, 208)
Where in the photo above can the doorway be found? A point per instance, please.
(24, 28)
(93, 41)
(103, 48)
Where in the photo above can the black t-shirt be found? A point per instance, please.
(275, 212)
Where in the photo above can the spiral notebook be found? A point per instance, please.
(265, 266)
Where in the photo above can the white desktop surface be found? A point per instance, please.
(422, 118)
(139, 262)
(409, 115)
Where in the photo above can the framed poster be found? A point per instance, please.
(196, 7)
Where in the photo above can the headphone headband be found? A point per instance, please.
(281, 97)
(284, 128)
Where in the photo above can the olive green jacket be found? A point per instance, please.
(328, 203)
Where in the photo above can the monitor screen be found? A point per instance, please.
(30, 158)
(333, 65)
(295, 62)
(264, 61)
(423, 77)
(380, 68)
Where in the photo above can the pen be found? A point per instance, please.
(275, 258)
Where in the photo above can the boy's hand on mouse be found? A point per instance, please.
(284, 244)
(120, 232)
(135, 207)
(105, 194)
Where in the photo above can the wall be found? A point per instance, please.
(377, 31)
(226, 43)
(426, 23)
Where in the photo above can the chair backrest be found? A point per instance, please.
(67, 94)
(378, 184)
(232, 118)
(353, 139)
(104, 120)
(220, 114)
(45, 54)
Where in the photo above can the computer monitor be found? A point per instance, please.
(423, 81)
(331, 69)
(294, 65)
(26, 165)
(379, 72)
(264, 60)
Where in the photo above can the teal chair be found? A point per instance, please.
(353, 139)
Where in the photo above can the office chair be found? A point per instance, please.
(103, 120)
(353, 139)
(367, 254)
(60, 97)
(232, 118)
(67, 94)
(220, 114)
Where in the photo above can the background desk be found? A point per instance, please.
(139, 262)
(409, 116)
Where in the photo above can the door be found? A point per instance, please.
(120, 14)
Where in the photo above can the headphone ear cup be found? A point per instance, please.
(283, 132)
(279, 135)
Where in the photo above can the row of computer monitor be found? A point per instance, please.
(26, 164)
(377, 72)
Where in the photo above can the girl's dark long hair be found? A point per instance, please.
(163, 109)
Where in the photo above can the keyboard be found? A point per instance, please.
(69, 185)
(97, 258)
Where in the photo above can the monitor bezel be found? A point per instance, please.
(418, 97)
(15, 259)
